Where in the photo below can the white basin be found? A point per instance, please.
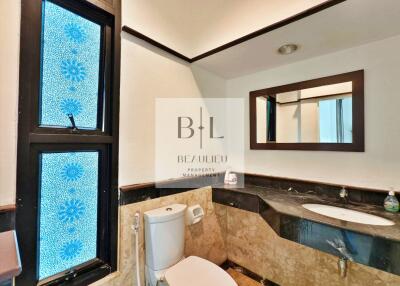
(348, 215)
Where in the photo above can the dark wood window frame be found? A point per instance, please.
(32, 140)
(358, 144)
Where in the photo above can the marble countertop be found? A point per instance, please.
(290, 203)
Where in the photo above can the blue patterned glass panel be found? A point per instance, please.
(70, 68)
(68, 210)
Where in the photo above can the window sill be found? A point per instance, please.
(83, 279)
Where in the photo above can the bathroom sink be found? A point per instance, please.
(348, 215)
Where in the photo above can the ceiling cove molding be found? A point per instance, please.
(265, 30)
(143, 37)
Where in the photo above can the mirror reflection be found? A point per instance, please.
(320, 114)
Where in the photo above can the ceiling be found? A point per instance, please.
(345, 25)
(193, 27)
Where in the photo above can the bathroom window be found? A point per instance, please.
(67, 187)
(67, 210)
(70, 74)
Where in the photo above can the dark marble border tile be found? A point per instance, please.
(141, 192)
(238, 200)
(356, 195)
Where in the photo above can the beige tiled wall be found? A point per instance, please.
(204, 239)
(245, 238)
(252, 243)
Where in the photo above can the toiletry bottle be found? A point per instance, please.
(226, 178)
(391, 203)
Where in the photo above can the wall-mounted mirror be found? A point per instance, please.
(318, 114)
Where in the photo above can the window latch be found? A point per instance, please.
(71, 118)
(70, 275)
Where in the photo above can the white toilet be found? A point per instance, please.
(165, 262)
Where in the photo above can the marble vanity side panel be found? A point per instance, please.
(253, 244)
(204, 239)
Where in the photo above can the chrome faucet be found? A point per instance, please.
(342, 267)
(345, 255)
(340, 246)
(344, 195)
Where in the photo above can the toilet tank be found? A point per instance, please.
(164, 236)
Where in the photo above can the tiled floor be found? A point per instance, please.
(241, 279)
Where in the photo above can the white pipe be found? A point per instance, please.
(135, 227)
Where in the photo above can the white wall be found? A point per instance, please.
(379, 166)
(288, 117)
(9, 68)
(309, 121)
(297, 122)
(147, 74)
(288, 120)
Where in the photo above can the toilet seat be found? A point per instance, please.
(196, 271)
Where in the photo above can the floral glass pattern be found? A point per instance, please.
(68, 210)
(70, 69)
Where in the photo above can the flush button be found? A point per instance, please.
(168, 209)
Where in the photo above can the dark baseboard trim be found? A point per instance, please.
(7, 218)
(263, 281)
(7, 208)
(265, 30)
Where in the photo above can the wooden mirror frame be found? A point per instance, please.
(358, 144)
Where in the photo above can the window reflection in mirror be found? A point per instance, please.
(320, 114)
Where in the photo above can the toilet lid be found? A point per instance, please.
(196, 271)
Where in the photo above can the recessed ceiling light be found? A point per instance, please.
(287, 49)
